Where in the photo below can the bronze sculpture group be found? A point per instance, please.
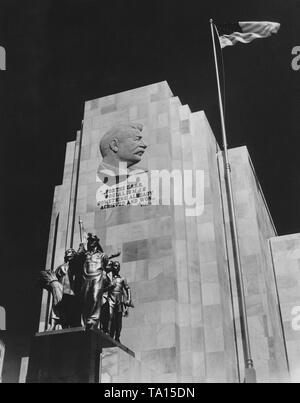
(88, 289)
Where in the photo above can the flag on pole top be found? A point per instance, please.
(246, 32)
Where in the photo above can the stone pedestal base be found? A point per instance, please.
(68, 356)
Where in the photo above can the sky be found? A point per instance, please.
(62, 53)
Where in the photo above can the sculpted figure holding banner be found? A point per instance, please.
(94, 280)
(77, 286)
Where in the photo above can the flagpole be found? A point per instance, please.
(80, 228)
(250, 374)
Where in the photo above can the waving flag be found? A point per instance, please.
(246, 32)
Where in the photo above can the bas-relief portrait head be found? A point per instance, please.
(121, 148)
(123, 143)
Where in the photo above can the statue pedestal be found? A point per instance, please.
(68, 356)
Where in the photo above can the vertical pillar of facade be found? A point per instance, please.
(286, 263)
(255, 228)
(23, 369)
(46, 298)
(2, 355)
(72, 219)
(58, 235)
(2, 345)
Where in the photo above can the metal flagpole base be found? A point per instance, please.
(250, 375)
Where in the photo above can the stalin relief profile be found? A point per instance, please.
(122, 183)
(122, 146)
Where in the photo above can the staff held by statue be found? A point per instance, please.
(80, 228)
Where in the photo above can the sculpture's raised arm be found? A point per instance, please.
(49, 281)
(114, 255)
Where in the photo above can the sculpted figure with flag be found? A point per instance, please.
(95, 282)
(77, 286)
